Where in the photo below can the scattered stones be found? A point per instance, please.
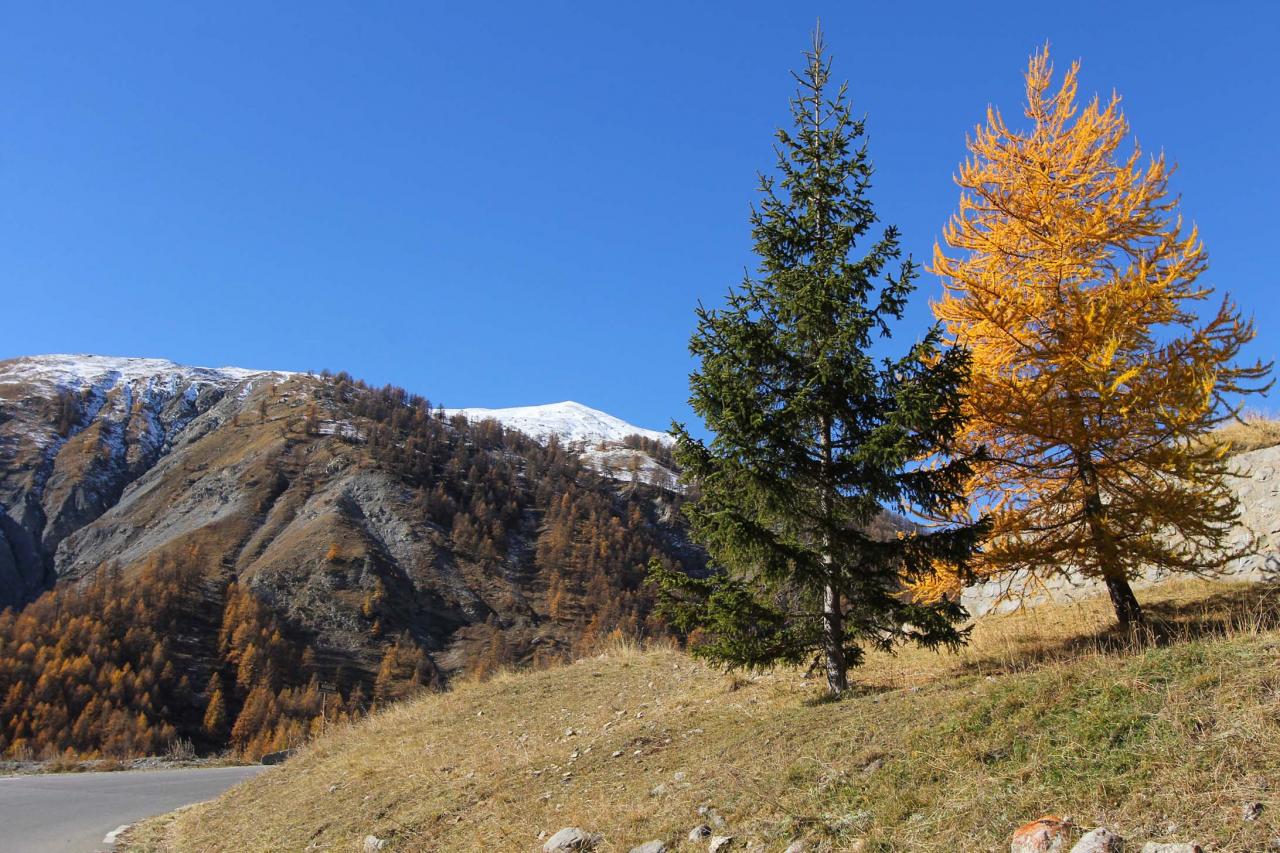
(570, 838)
(1100, 840)
(1180, 847)
(649, 847)
(1251, 811)
(1048, 834)
(699, 832)
(719, 843)
(372, 844)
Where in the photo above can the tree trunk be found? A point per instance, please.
(833, 641)
(1128, 610)
(832, 618)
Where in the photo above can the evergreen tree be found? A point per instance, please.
(813, 437)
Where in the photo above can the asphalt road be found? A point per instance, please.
(73, 812)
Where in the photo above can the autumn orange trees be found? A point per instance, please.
(1074, 283)
(104, 670)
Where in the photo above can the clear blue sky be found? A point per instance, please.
(522, 203)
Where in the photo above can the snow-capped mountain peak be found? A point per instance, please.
(572, 422)
(74, 372)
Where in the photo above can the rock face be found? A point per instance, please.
(75, 431)
(309, 491)
(1257, 486)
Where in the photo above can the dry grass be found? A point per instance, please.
(1045, 711)
(1258, 430)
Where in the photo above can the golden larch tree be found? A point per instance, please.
(1074, 284)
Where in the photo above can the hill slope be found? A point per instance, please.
(934, 752)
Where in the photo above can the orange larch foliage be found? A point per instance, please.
(1075, 285)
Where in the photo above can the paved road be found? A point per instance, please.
(72, 812)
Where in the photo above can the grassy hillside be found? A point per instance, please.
(1045, 712)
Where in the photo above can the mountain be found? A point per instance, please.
(363, 538)
(75, 430)
(572, 423)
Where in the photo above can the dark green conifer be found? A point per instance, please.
(814, 438)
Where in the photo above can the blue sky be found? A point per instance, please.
(511, 204)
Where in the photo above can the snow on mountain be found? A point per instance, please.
(158, 381)
(631, 466)
(103, 372)
(573, 422)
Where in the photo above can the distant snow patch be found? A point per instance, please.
(572, 422)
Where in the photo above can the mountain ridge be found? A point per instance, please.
(572, 422)
(366, 521)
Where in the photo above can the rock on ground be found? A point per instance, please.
(1179, 847)
(1100, 840)
(699, 832)
(719, 843)
(649, 847)
(570, 838)
(1048, 834)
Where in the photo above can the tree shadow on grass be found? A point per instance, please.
(1233, 611)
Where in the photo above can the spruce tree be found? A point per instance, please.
(814, 437)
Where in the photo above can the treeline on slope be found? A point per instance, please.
(155, 660)
(487, 485)
(109, 669)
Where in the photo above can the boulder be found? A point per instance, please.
(1048, 834)
(699, 832)
(569, 839)
(372, 844)
(719, 843)
(1251, 811)
(1100, 840)
(277, 757)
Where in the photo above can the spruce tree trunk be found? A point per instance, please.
(832, 617)
(1128, 610)
(833, 641)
